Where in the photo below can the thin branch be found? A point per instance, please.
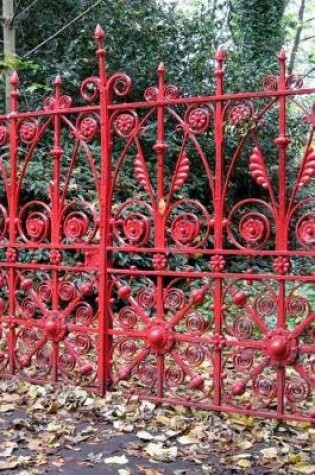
(297, 38)
(15, 11)
(309, 19)
(309, 72)
(308, 38)
(26, 9)
(85, 12)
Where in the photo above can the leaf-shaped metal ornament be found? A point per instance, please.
(181, 172)
(141, 173)
(308, 169)
(257, 168)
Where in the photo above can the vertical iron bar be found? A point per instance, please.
(13, 217)
(56, 154)
(104, 340)
(160, 148)
(218, 218)
(282, 141)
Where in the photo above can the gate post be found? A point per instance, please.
(218, 219)
(282, 142)
(104, 341)
(12, 206)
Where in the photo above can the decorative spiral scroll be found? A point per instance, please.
(80, 222)
(44, 290)
(132, 223)
(34, 222)
(241, 113)
(127, 349)
(189, 223)
(3, 133)
(297, 391)
(89, 89)
(266, 304)
(28, 130)
(174, 376)
(170, 92)
(28, 308)
(147, 373)
(294, 81)
(270, 83)
(242, 327)
(297, 306)
(174, 299)
(243, 360)
(146, 297)
(3, 222)
(198, 118)
(67, 290)
(195, 323)
(305, 230)
(249, 229)
(30, 336)
(83, 344)
(65, 102)
(264, 388)
(49, 103)
(43, 360)
(195, 354)
(127, 318)
(125, 123)
(151, 94)
(120, 84)
(83, 314)
(87, 126)
(66, 362)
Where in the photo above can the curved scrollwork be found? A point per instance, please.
(79, 222)
(34, 222)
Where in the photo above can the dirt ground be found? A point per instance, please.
(55, 430)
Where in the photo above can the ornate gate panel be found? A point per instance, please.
(181, 269)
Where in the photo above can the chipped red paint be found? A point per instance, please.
(182, 326)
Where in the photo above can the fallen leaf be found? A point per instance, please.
(269, 453)
(116, 460)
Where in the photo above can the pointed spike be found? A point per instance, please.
(99, 33)
(14, 81)
(282, 55)
(220, 54)
(58, 80)
(161, 67)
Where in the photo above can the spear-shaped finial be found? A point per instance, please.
(282, 55)
(58, 80)
(220, 55)
(219, 69)
(99, 33)
(14, 80)
(161, 69)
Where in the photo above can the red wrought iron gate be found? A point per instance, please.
(167, 247)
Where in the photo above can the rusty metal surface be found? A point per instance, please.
(184, 295)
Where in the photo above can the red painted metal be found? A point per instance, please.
(171, 293)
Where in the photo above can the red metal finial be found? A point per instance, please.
(99, 33)
(282, 55)
(220, 54)
(14, 81)
(161, 68)
(58, 80)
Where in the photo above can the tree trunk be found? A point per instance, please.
(297, 38)
(9, 42)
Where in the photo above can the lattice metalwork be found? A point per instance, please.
(170, 248)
